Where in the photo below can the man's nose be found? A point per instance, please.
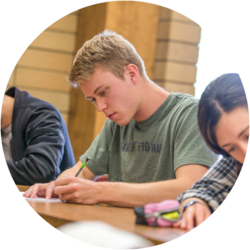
(100, 105)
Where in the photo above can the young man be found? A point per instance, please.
(150, 145)
(34, 138)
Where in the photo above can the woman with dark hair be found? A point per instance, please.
(223, 119)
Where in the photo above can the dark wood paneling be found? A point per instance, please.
(82, 113)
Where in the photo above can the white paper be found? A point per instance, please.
(42, 199)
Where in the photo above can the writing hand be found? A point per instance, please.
(77, 190)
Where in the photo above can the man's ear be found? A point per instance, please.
(132, 72)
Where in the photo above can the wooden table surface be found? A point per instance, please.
(58, 214)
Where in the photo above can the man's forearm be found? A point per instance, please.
(72, 171)
(132, 194)
(67, 173)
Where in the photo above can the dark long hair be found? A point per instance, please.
(222, 95)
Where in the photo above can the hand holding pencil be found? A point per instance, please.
(82, 167)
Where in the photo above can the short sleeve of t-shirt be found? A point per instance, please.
(98, 152)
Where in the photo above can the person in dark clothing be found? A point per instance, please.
(35, 139)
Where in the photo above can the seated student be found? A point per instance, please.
(34, 138)
(224, 123)
(150, 145)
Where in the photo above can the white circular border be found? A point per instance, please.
(21, 22)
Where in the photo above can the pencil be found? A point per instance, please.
(82, 167)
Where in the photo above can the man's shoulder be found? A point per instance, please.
(182, 103)
(34, 102)
(184, 99)
(37, 106)
(32, 108)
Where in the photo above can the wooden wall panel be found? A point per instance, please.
(46, 60)
(179, 31)
(55, 41)
(42, 79)
(11, 80)
(176, 52)
(65, 117)
(66, 24)
(137, 22)
(171, 71)
(44, 66)
(169, 14)
(82, 113)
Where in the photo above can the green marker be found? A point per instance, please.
(82, 166)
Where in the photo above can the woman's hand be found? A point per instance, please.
(194, 214)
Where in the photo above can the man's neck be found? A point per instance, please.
(152, 97)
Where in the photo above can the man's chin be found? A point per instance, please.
(122, 123)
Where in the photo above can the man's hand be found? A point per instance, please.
(77, 190)
(47, 190)
(41, 190)
(193, 216)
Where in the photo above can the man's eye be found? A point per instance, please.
(103, 92)
(93, 100)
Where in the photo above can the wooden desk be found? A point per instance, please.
(22, 188)
(58, 214)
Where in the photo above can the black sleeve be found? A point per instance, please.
(44, 149)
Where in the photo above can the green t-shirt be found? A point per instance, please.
(151, 150)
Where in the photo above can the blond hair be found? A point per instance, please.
(107, 50)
